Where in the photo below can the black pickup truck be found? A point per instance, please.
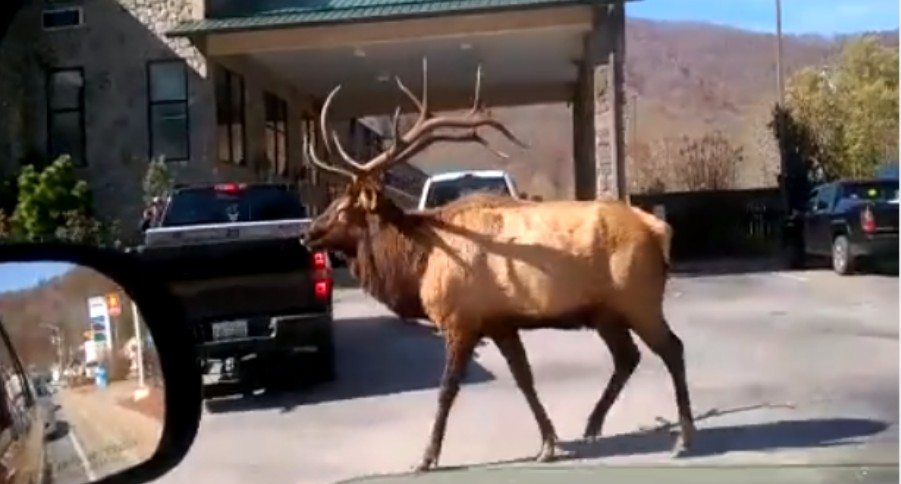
(261, 302)
(852, 220)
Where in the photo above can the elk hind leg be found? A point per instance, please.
(511, 347)
(625, 359)
(670, 349)
(459, 347)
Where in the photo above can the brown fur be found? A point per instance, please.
(488, 266)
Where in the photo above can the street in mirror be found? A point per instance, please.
(82, 392)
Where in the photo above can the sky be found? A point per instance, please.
(23, 275)
(824, 17)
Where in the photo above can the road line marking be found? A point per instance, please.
(793, 277)
(81, 455)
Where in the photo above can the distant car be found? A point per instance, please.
(43, 395)
(852, 220)
(443, 188)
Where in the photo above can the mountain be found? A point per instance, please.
(682, 78)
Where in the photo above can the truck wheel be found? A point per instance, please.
(842, 261)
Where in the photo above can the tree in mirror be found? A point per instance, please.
(81, 395)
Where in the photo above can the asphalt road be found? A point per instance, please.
(783, 368)
(65, 452)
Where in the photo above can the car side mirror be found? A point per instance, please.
(98, 326)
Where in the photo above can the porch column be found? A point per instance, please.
(598, 146)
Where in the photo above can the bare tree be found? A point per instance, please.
(707, 163)
(647, 170)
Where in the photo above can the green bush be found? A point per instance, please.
(157, 180)
(47, 199)
(53, 204)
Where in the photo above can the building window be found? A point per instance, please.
(276, 132)
(62, 18)
(65, 114)
(167, 85)
(230, 116)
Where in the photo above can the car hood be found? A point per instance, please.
(645, 475)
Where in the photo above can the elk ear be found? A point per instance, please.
(368, 198)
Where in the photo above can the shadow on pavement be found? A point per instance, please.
(783, 434)
(375, 356)
(61, 430)
(725, 266)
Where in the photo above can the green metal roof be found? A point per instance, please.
(246, 15)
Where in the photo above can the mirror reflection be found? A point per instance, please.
(82, 394)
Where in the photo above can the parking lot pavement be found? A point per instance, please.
(798, 367)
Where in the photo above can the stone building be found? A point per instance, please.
(100, 80)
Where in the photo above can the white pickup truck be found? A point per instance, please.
(443, 188)
(261, 302)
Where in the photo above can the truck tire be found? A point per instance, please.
(843, 262)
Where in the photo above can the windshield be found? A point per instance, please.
(444, 192)
(883, 191)
(252, 204)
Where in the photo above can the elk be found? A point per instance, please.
(487, 267)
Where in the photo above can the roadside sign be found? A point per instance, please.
(100, 320)
(113, 304)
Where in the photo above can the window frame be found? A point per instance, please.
(229, 76)
(151, 103)
(62, 9)
(271, 129)
(80, 109)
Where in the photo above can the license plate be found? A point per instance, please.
(230, 329)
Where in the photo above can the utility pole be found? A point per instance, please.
(136, 319)
(634, 119)
(780, 87)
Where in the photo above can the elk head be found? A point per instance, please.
(343, 223)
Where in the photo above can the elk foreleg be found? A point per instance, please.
(625, 359)
(459, 347)
(511, 347)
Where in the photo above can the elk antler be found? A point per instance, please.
(424, 131)
(310, 149)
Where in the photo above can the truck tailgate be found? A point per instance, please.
(223, 232)
(885, 214)
(229, 280)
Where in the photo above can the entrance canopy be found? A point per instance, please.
(530, 50)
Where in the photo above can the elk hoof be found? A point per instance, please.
(682, 446)
(426, 465)
(547, 452)
(591, 434)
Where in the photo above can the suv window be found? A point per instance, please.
(822, 198)
(210, 205)
(878, 191)
(444, 192)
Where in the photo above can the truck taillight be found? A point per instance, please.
(867, 222)
(322, 276)
(320, 261)
(230, 188)
(322, 289)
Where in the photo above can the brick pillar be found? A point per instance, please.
(598, 147)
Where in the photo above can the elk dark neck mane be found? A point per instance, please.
(390, 260)
(393, 251)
